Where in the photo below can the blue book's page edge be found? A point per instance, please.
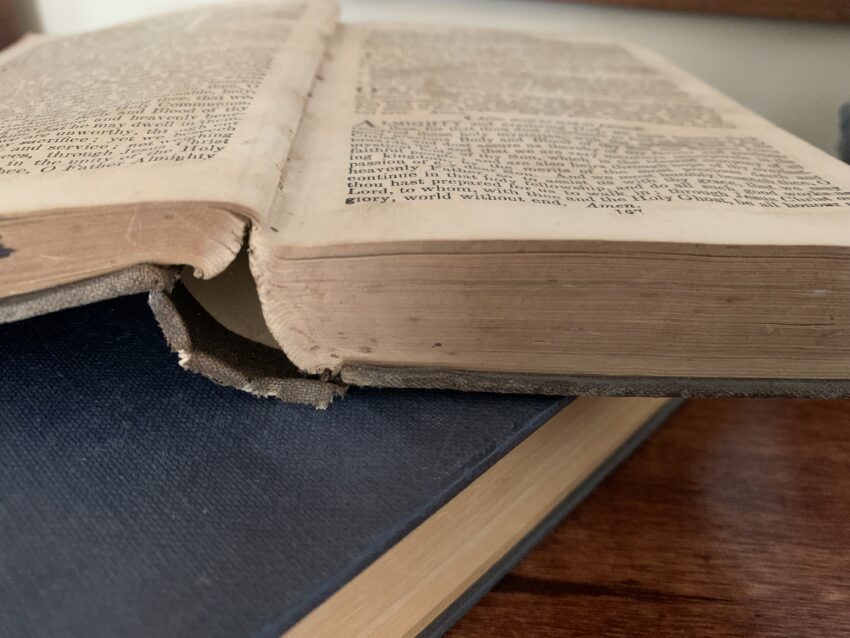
(503, 566)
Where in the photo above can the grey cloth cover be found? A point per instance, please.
(130, 281)
(844, 139)
(205, 347)
(202, 345)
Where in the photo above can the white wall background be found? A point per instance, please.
(793, 73)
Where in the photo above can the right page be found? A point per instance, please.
(416, 136)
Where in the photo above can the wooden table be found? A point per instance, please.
(9, 30)
(732, 520)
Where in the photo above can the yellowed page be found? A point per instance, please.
(198, 106)
(422, 135)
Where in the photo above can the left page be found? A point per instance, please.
(198, 106)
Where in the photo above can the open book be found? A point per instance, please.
(421, 206)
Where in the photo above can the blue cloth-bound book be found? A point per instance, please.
(139, 500)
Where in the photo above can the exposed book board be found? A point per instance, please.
(140, 501)
(424, 206)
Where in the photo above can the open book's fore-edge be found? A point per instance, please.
(207, 348)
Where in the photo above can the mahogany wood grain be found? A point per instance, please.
(821, 10)
(9, 30)
(732, 520)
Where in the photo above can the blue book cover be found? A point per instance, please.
(137, 499)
